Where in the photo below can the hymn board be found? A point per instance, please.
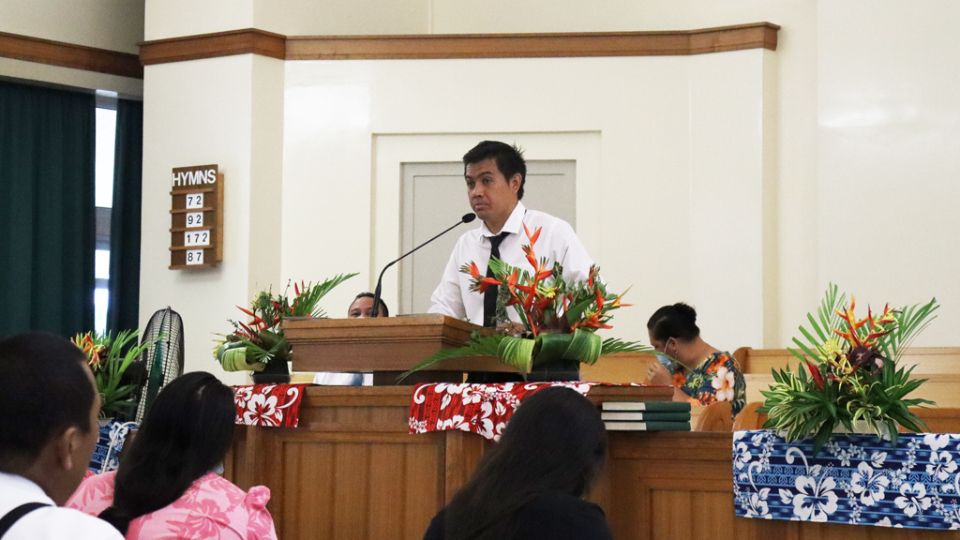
(196, 231)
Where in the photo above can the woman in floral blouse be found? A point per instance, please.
(165, 488)
(702, 374)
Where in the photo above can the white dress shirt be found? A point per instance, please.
(557, 242)
(49, 522)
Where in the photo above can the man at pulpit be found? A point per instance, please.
(495, 174)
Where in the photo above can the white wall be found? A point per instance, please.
(673, 205)
(189, 124)
(812, 158)
(889, 154)
(116, 25)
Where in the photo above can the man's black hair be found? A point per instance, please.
(509, 160)
(44, 390)
(383, 305)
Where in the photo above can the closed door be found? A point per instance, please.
(434, 197)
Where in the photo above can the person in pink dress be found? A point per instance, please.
(165, 487)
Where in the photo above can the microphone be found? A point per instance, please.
(467, 218)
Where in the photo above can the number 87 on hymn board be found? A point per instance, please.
(196, 217)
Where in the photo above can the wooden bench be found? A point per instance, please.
(939, 365)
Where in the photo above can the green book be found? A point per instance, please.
(646, 416)
(659, 406)
(648, 426)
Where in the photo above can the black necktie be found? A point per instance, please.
(490, 296)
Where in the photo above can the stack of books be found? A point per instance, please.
(646, 415)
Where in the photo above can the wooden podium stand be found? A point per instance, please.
(385, 347)
(352, 470)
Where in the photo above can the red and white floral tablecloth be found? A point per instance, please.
(480, 408)
(268, 405)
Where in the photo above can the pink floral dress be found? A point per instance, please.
(212, 508)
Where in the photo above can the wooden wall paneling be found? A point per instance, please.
(310, 488)
(628, 516)
(387, 489)
(351, 490)
(374, 480)
(290, 516)
(462, 454)
(712, 510)
(672, 513)
(69, 55)
(423, 494)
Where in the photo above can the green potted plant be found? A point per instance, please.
(259, 345)
(852, 379)
(559, 317)
(109, 358)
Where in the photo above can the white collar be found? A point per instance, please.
(513, 224)
(27, 488)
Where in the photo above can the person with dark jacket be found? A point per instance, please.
(532, 483)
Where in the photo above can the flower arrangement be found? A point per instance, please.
(109, 358)
(854, 379)
(559, 317)
(254, 344)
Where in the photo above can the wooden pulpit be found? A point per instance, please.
(385, 347)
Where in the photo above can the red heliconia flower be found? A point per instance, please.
(542, 304)
(532, 238)
(815, 373)
(531, 256)
(852, 324)
(876, 329)
(486, 283)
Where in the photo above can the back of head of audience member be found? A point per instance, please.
(362, 307)
(678, 322)
(49, 404)
(185, 434)
(554, 443)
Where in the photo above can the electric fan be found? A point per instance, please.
(163, 361)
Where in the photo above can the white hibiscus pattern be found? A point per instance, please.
(913, 484)
(868, 484)
(941, 465)
(814, 500)
(913, 499)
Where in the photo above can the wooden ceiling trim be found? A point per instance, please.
(432, 46)
(69, 55)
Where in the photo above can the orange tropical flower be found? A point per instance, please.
(875, 330)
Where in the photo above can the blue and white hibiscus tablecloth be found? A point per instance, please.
(857, 479)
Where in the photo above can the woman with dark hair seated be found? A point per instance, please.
(530, 485)
(702, 374)
(165, 487)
